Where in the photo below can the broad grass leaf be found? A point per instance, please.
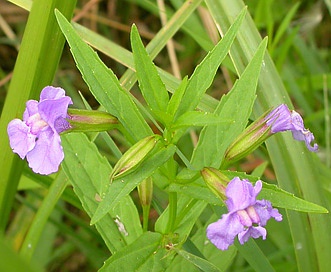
(254, 255)
(198, 262)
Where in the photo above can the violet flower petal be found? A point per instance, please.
(37, 137)
(51, 93)
(31, 109)
(279, 119)
(254, 232)
(246, 216)
(241, 194)
(223, 232)
(266, 211)
(300, 133)
(282, 119)
(20, 139)
(51, 110)
(47, 154)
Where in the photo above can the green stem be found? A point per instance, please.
(46, 208)
(35, 68)
(172, 212)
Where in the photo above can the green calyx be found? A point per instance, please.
(90, 120)
(216, 181)
(249, 140)
(134, 156)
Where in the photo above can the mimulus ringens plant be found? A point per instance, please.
(37, 136)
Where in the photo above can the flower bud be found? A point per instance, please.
(145, 192)
(216, 181)
(273, 121)
(250, 139)
(90, 120)
(134, 156)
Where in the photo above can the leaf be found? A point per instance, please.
(89, 173)
(237, 106)
(204, 73)
(282, 199)
(133, 257)
(150, 83)
(124, 185)
(200, 263)
(197, 118)
(103, 84)
(279, 197)
(176, 98)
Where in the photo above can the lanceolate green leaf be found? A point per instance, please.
(89, 173)
(204, 73)
(103, 83)
(176, 98)
(237, 106)
(150, 83)
(282, 199)
(123, 186)
(197, 118)
(134, 256)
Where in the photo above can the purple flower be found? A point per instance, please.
(282, 119)
(37, 136)
(246, 217)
